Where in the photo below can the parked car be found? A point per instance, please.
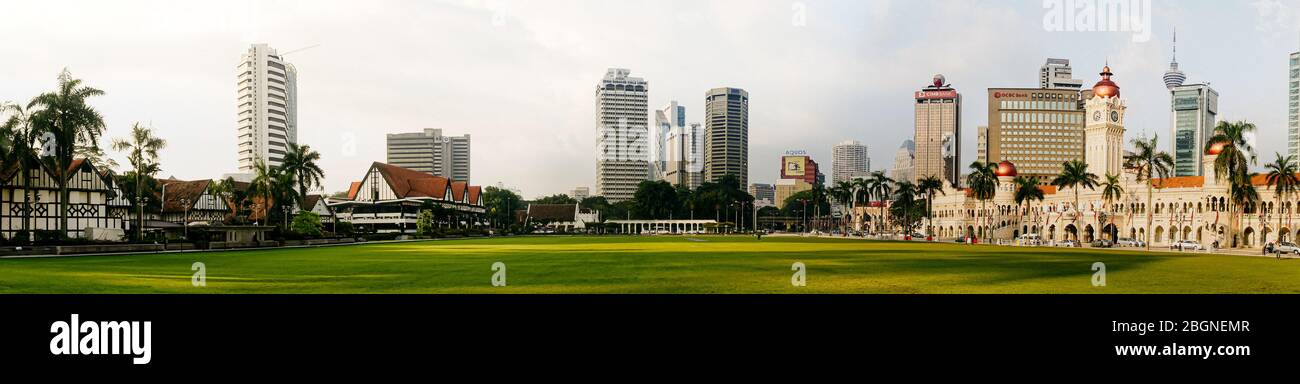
(1285, 247)
(1030, 239)
(1187, 245)
(1067, 243)
(1101, 244)
(1128, 242)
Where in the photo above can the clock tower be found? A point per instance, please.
(1104, 128)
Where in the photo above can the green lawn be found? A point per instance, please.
(667, 264)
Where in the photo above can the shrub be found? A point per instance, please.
(307, 224)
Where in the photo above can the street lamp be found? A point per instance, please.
(185, 204)
(804, 213)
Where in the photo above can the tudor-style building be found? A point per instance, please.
(388, 199)
(192, 202)
(90, 193)
(319, 205)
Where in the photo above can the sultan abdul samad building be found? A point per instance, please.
(1183, 208)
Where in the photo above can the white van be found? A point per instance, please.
(1030, 239)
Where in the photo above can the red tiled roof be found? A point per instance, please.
(410, 183)
(189, 191)
(458, 190)
(474, 193)
(1180, 182)
(352, 190)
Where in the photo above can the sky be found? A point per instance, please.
(520, 76)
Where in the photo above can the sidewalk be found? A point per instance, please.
(1256, 252)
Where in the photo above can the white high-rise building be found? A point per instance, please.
(904, 169)
(622, 127)
(849, 161)
(685, 149)
(1293, 109)
(1056, 74)
(268, 107)
(667, 120)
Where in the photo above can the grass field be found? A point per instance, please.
(666, 264)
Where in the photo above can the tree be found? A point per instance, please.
(654, 199)
(1075, 175)
(500, 204)
(1234, 160)
(1112, 189)
(1282, 178)
(1148, 164)
(300, 163)
(557, 199)
(276, 187)
(18, 133)
(1027, 191)
(307, 223)
(928, 186)
(881, 187)
(142, 152)
(842, 193)
(904, 208)
(983, 183)
(65, 114)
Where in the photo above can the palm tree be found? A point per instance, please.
(1148, 164)
(1282, 178)
(65, 114)
(904, 204)
(861, 190)
(1112, 189)
(300, 162)
(983, 183)
(142, 152)
(275, 186)
(1234, 159)
(1243, 195)
(842, 192)
(1027, 191)
(1075, 175)
(881, 186)
(928, 186)
(19, 131)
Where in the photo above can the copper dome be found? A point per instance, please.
(1105, 87)
(1216, 148)
(1006, 169)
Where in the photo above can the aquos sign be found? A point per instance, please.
(929, 95)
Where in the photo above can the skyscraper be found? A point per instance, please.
(726, 134)
(673, 116)
(431, 152)
(937, 132)
(1293, 109)
(679, 148)
(1037, 129)
(903, 167)
(268, 107)
(982, 143)
(849, 161)
(622, 114)
(1056, 74)
(1192, 115)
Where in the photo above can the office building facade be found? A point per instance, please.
(622, 128)
(267, 99)
(937, 132)
(431, 152)
(726, 134)
(849, 161)
(1037, 129)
